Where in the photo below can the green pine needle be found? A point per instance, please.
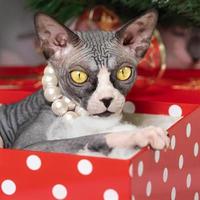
(184, 12)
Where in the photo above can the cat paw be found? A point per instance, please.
(154, 136)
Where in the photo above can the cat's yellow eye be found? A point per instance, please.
(79, 76)
(124, 73)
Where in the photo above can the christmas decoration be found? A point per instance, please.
(98, 17)
(171, 11)
(61, 105)
(154, 62)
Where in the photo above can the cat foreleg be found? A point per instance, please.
(154, 136)
(79, 145)
(107, 144)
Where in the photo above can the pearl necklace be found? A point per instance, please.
(61, 105)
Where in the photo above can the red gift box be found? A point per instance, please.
(171, 174)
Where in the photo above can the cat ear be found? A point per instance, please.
(52, 35)
(135, 36)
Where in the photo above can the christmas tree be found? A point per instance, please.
(181, 12)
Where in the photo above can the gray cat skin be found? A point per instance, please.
(107, 62)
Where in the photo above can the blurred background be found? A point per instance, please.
(17, 45)
(177, 40)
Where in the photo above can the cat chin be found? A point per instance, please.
(106, 115)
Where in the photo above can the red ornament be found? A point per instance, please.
(98, 18)
(153, 64)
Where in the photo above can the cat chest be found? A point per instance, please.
(81, 126)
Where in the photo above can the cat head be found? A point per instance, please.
(96, 69)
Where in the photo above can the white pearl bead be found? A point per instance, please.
(67, 100)
(71, 105)
(59, 107)
(70, 115)
(52, 93)
(49, 80)
(80, 111)
(49, 70)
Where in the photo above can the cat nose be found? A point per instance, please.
(106, 101)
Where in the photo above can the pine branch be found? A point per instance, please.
(186, 12)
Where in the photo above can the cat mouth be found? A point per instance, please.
(104, 114)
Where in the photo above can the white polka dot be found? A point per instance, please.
(85, 167)
(140, 168)
(8, 187)
(165, 175)
(196, 149)
(181, 161)
(173, 142)
(148, 188)
(188, 180)
(175, 111)
(59, 191)
(173, 193)
(196, 196)
(129, 107)
(157, 156)
(188, 130)
(133, 197)
(110, 194)
(131, 170)
(33, 162)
